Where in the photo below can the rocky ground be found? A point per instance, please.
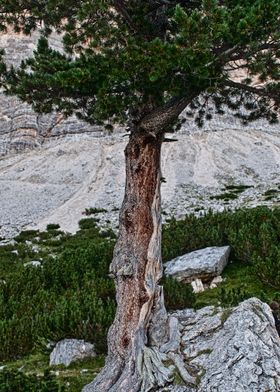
(233, 350)
(58, 180)
(217, 350)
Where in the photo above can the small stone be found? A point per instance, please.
(34, 263)
(7, 242)
(60, 153)
(215, 282)
(197, 286)
(50, 345)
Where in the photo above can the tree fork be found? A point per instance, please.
(133, 341)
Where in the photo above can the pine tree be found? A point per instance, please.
(141, 63)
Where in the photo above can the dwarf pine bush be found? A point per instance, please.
(247, 231)
(16, 381)
(72, 296)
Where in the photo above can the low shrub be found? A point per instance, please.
(71, 295)
(52, 226)
(249, 233)
(26, 235)
(267, 268)
(177, 295)
(87, 223)
(225, 196)
(16, 381)
(233, 296)
(93, 210)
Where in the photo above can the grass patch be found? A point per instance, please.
(240, 283)
(271, 192)
(225, 315)
(52, 226)
(26, 235)
(34, 374)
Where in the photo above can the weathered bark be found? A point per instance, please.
(134, 362)
(164, 117)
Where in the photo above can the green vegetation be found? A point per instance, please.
(93, 210)
(249, 232)
(52, 226)
(238, 188)
(177, 295)
(35, 375)
(26, 235)
(72, 296)
(11, 381)
(255, 251)
(225, 196)
(271, 194)
(231, 192)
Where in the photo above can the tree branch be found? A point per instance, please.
(163, 117)
(262, 92)
(122, 10)
(243, 55)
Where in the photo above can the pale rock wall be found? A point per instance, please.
(20, 127)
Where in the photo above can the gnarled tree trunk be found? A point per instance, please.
(134, 362)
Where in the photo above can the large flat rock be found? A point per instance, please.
(201, 264)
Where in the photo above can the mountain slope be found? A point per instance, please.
(56, 182)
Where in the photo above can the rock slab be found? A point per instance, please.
(233, 350)
(204, 264)
(69, 350)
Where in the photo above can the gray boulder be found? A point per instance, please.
(69, 350)
(234, 349)
(204, 264)
(33, 263)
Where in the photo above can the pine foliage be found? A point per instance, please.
(124, 59)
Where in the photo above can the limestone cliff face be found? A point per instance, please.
(20, 127)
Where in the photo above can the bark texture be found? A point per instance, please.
(134, 362)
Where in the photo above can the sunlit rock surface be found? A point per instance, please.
(70, 350)
(230, 350)
(204, 264)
